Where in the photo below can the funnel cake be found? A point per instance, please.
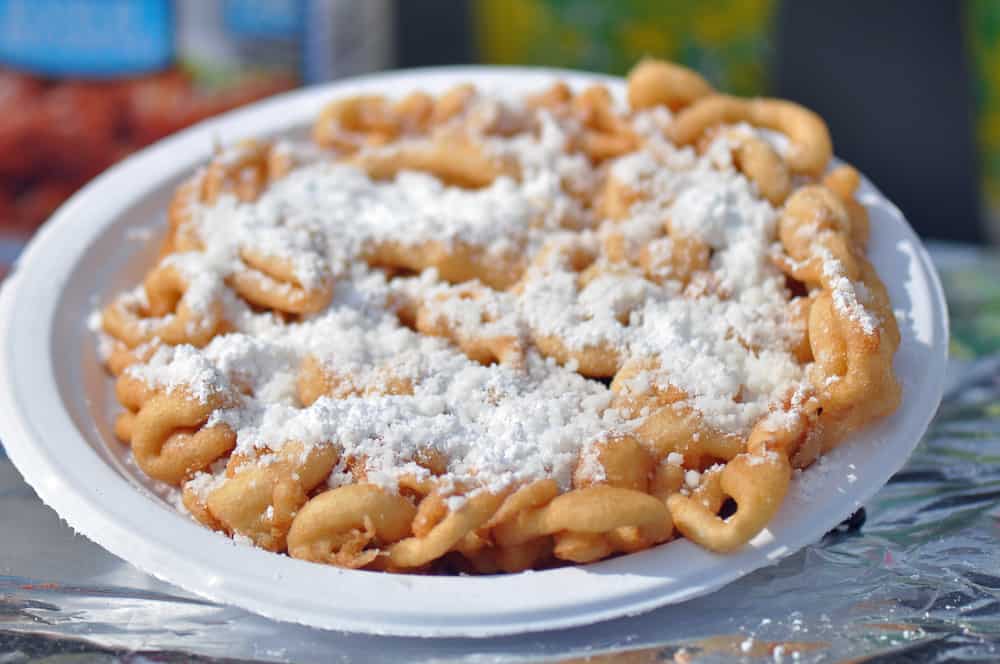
(477, 334)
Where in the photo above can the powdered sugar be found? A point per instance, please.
(848, 297)
(176, 368)
(722, 336)
(495, 425)
(702, 347)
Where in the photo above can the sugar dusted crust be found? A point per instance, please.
(474, 334)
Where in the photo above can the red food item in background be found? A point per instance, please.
(20, 123)
(16, 88)
(162, 104)
(81, 122)
(155, 105)
(57, 134)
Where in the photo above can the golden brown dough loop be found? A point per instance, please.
(589, 512)
(523, 557)
(615, 199)
(634, 396)
(792, 435)
(492, 559)
(814, 217)
(818, 214)
(810, 150)
(708, 112)
(430, 512)
(593, 360)
(271, 282)
(131, 393)
(129, 322)
(432, 459)
(122, 357)
(337, 527)
(480, 345)
(564, 253)
(313, 382)
(529, 496)
(195, 505)
(124, 423)
(456, 261)
(764, 167)
(260, 501)
(600, 358)
(878, 302)
(170, 440)
(555, 96)
(349, 124)
(681, 429)
(601, 146)
(416, 487)
(595, 109)
(852, 330)
(452, 103)
(629, 539)
(811, 147)
(618, 247)
(581, 548)
(658, 83)
(605, 135)
(445, 534)
(240, 170)
(798, 317)
(243, 170)
(866, 388)
(289, 456)
(457, 161)
(709, 491)
(756, 483)
(844, 181)
(827, 345)
(316, 380)
(414, 112)
(456, 113)
(186, 196)
(472, 544)
(280, 162)
(165, 286)
(283, 158)
(677, 257)
(669, 425)
(667, 479)
(809, 212)
(181, 236)
(625, 463)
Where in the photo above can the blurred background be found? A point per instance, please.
(911, 91)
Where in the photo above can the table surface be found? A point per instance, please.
(917, 581)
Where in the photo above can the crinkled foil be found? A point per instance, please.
(917, 581)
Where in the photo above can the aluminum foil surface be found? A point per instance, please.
(914, 578)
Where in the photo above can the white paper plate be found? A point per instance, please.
(55, 407)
